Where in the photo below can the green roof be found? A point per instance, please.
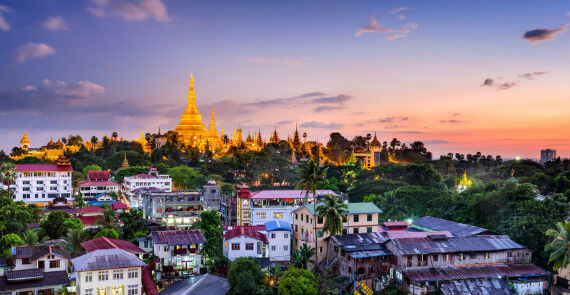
(354, 208)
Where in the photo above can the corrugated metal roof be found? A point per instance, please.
(108, 243)
(288, 194)
(360, 239)
(457, 229)
(178, 237)
(276, 225)
(440, 244)
(106, 259)
(491, 286)
(250, 231)
(51, 278)
(477, 272)
(354, 208)
(371, 253)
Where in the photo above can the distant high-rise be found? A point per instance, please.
(547, 155)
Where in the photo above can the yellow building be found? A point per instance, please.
(52, 151)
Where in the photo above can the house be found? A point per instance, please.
(119, 207)
(245, 241)
(110, 271)
(423, 264)
(109, 243)
(178, 251)
(279, 240)
(560, 282)
(37, 270)
(89, 216)
(150, 179)
(428, 223)
(98, 182)
(101, 199)
(39, 184)
(257, 208)
(360, 218)
(181, 208)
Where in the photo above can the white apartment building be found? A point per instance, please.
(279, 240)
(178, 250)
(152, 179)
(108, 272)
(40, 184)
(98, 182)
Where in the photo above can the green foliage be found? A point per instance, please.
(130, 171)
(133, 226)
(244, 276)
(7, 242)
(300, 258)
(332, 209)
(79, 202)
(227, 189)
(71, 223)
(92, 167)
(75, 237)
(297, 281)
(211, 226)
(185, 177)
(109, 220)
(53, 224)
(107, 232)
(30, 237)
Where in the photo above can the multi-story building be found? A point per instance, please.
(360, 218)
(245, 241)
(108, 271)
(178, 250)
(151, 179)
(257, 208)
(547, 155)
(40, 184)
(98, 182)
(37, 270)
(212, 196)
(180, 208)
(279, 240)
(90, 216)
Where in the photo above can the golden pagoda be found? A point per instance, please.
(125, 162)
(25, 142)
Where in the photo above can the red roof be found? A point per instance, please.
(395, 223)
(118, 205)
(89, 220)
(90, 209)
(148, 282)
(98, 175)
(250, 231)
(97, 183)
(108, 243)
(43, 168)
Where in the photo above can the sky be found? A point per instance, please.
(461, 76)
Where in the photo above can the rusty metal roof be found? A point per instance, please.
(428, 223)
(360, 239)
(178, 237)
(493, 286)
(371, 253)
(441, 244)
(476, 272)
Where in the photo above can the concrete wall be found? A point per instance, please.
(281, 241)
(95, 284)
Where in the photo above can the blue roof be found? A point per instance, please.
(99, 203)
(277, 225)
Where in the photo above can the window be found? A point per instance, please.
(296, 228)
(435, 257)
(447, 257)
(273, 235)
(409, 261)
(103, 275)
(88, 291)
(133, 273)
(53, 182)
(132, 290)
(320, 249)
(461, 256)
(320, 220)
(368, 217)
(26, 261)
(117, 274)
(249, 246)
(235, 246)
(296, 216)
(117, 290)
(487, 255)
(26, 196)
(356, 217)
(344, 219)
(88, 277)
(368, 229)
(355, 230)
(261, 215)
(277, 215)
(246, 214)
(26, 182)
(39, 182)
(307, 218)
(273, 248)
(286, 248)
(344, 231)
(509, 254)
(54, 264)
(320, 233)
(286, 236)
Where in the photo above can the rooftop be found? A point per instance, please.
(118, 205)
(52, 278)
(88, 220)
(288, 194)
(43, 168)
(492, 286)
(250, 231)
(108, 243)
(106, 259)
(428, 223)
(276, 225)
(439, 243)
(477, 272)
(354, 208)
(37, 252)
(178, 237)
(90, 209)
(96, 183)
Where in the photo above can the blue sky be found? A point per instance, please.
(97, 66)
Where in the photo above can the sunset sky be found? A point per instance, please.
(462, 76)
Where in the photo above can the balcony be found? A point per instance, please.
(180, 251)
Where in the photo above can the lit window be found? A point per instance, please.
(277, 215)
(117, 290)
(261, 215)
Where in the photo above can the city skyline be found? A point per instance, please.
(462, 77)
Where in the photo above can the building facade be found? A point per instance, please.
(178, 251)
(178, 208)
(150, 180)
(212, 197)
(40, 184)
(547, 155)
(245, 241)
(279, 234)
(98, 182)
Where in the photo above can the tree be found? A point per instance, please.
(109, 220)
(312, 174)
(107, 232)
(130, 171)
(14, 215)
(332, 210)
(211, 226)
(75, 237)
(185, 177)
(30, 237)
(92, 167)
(7, 242)
(53, 225)
(7, 175)
(559, 247)
(244, 276)
(227, 189)
(79, 202)
(71, 223)
(297, 281)
(302, 256)
(132, 224)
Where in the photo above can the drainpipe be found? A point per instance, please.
(354, 281)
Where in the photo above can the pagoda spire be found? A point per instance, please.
(125, 162)
(274, 138)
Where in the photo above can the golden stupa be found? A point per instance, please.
(191, 130)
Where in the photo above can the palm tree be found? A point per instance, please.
(394, 208)
(8, 175)
(302, 257)
(109, 219)
(312, 174)
(30, 238)
(75, 237)
(560, 245)
(332, 209)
